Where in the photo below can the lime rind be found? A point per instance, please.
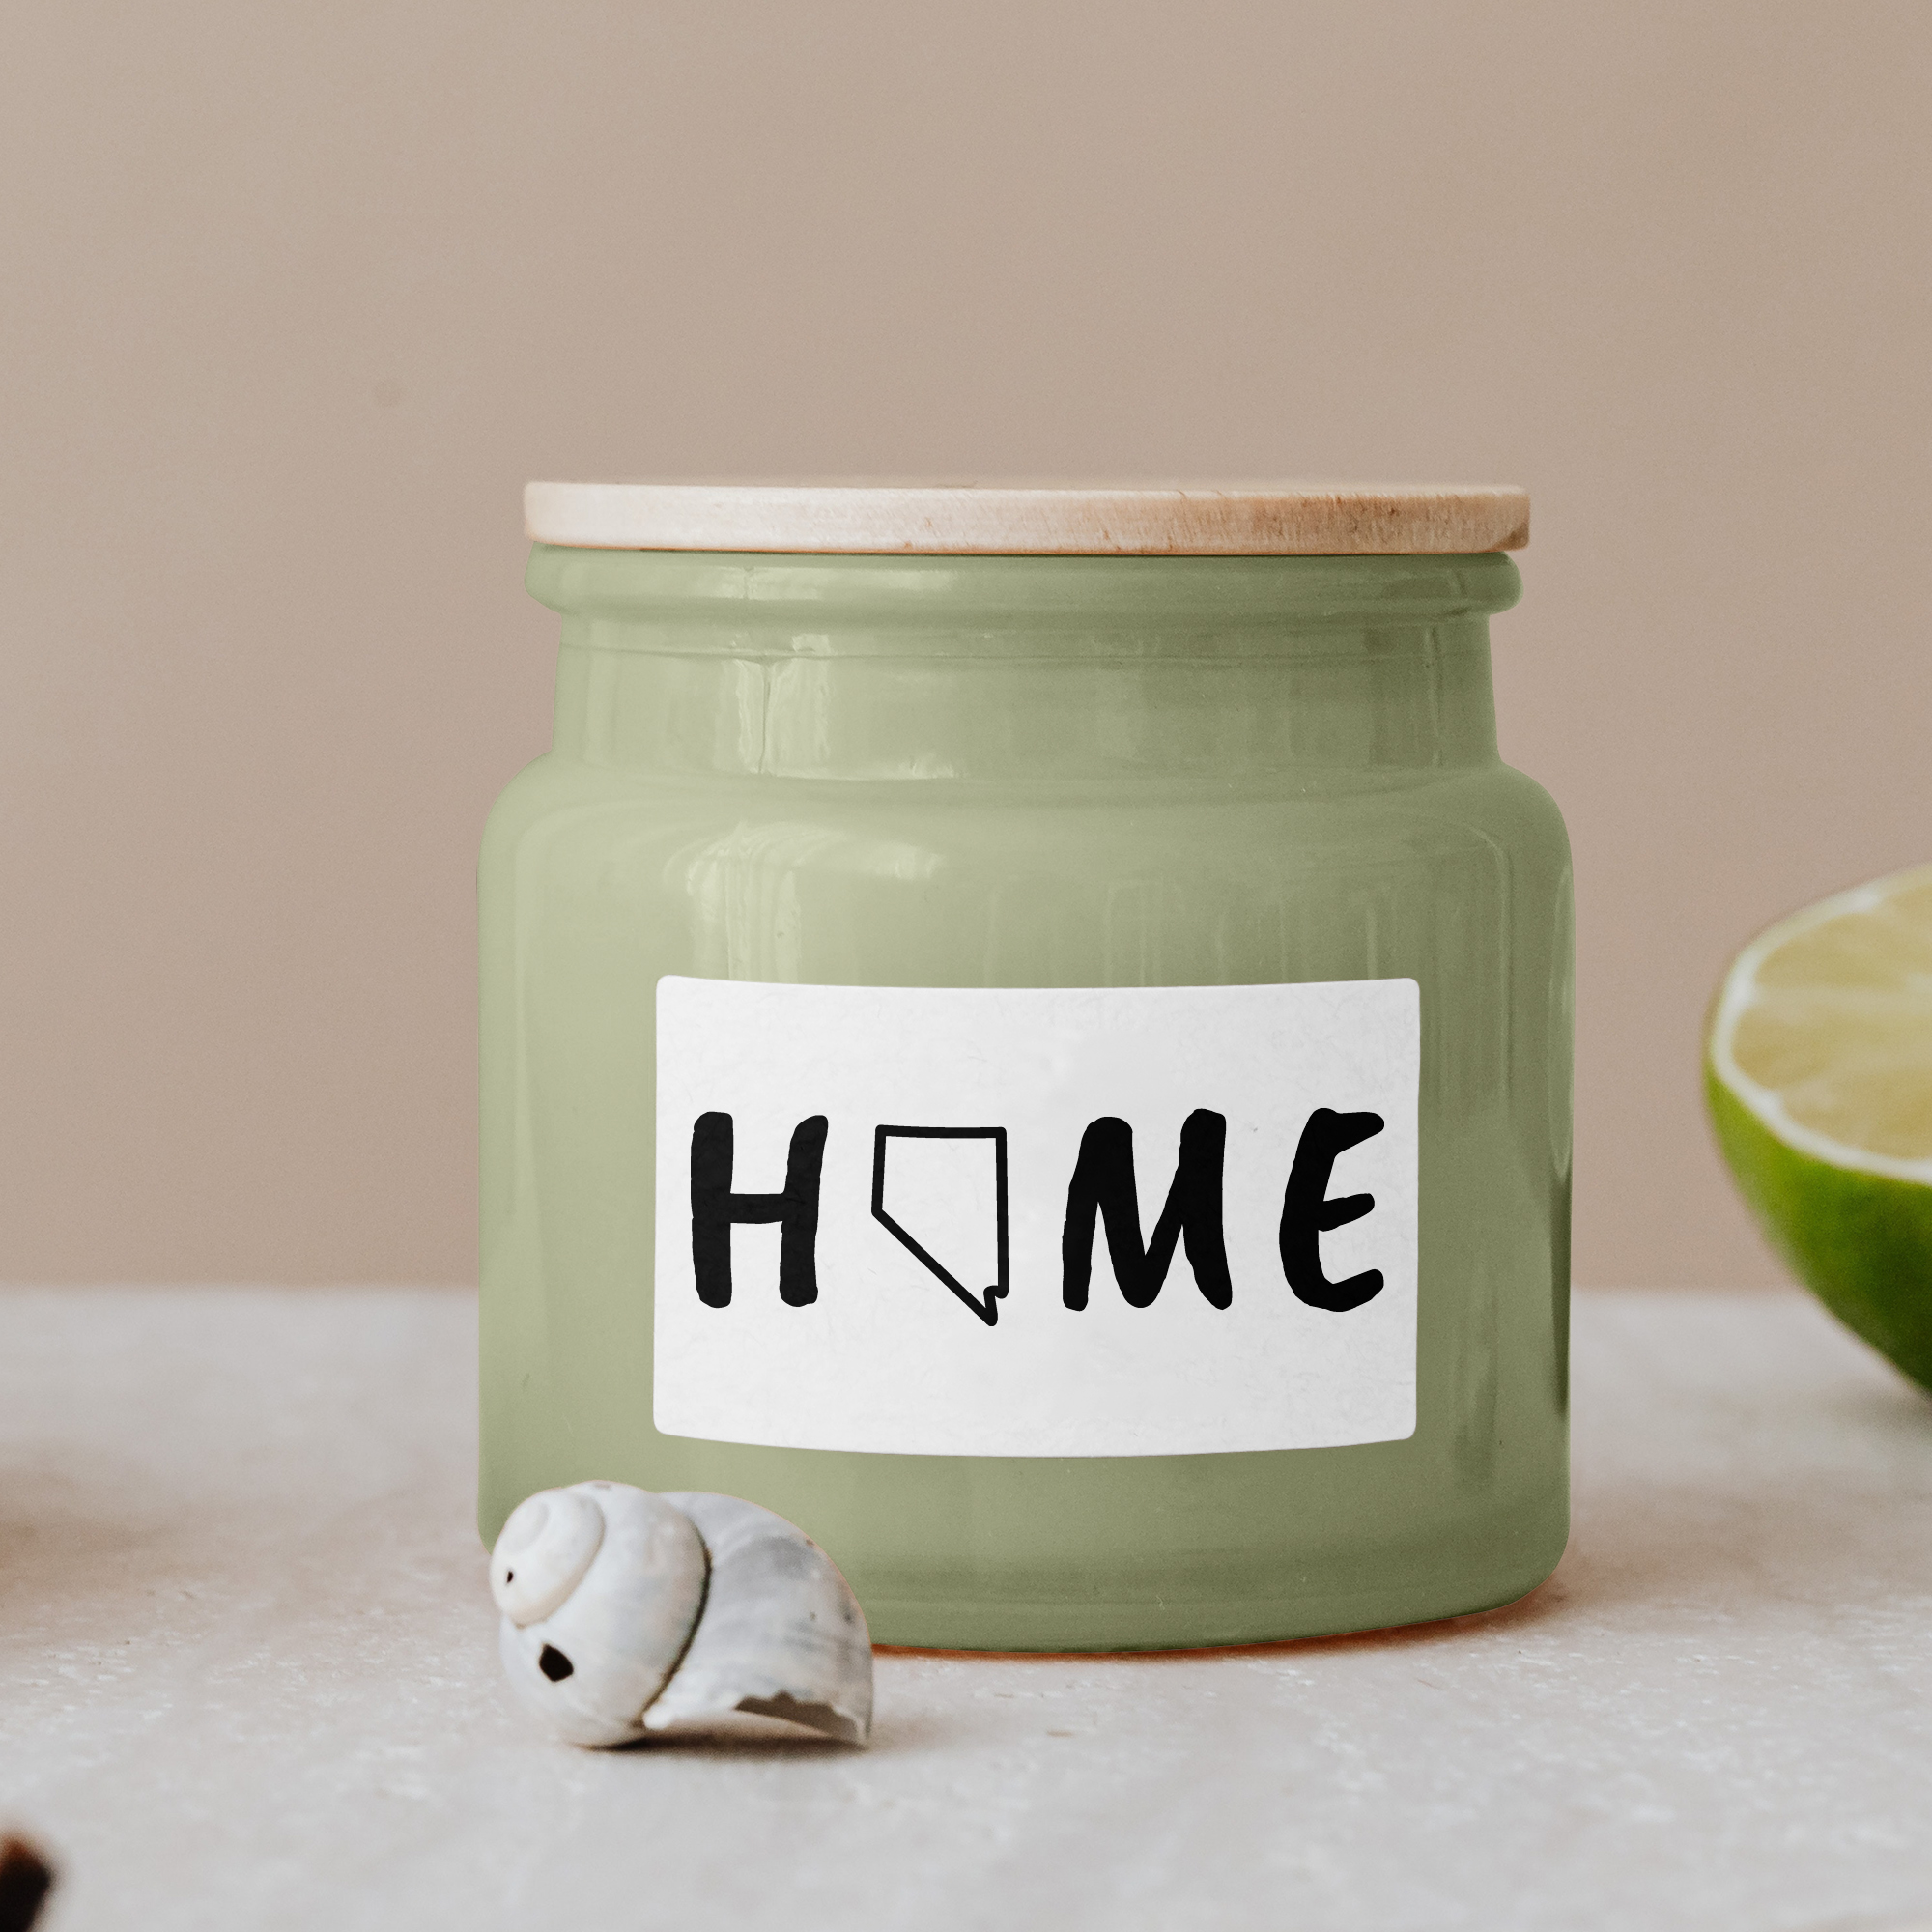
(1859, 1239)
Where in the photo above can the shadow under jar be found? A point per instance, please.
(1051, 1070)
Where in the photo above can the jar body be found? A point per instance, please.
(1040, 772)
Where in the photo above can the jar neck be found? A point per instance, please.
(1005, 669)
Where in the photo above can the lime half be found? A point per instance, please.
(1819, 1074)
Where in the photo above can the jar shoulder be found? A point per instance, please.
(1521, 809)
(549, 789)
(565, 805)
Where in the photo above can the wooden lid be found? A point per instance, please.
(962, 519)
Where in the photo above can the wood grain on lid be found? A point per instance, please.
(960, 519)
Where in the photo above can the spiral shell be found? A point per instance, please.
(626, 1612)
(599, 1656)
(543, 1553)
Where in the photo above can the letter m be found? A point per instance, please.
(1103, 1184)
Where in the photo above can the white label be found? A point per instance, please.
(1145, 1221)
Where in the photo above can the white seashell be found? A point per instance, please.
(781, 1633)
(625, 1611)
(543, 1553)
(591, 1666)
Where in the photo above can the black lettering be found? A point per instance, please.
(1307, 1214)
(1103, 1183)
(715, 1209)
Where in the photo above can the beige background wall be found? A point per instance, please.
(295, 299)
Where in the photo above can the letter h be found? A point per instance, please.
(715, 1209)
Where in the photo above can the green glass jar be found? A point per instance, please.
(1029, 1032)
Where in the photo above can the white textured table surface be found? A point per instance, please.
(247, 1676)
